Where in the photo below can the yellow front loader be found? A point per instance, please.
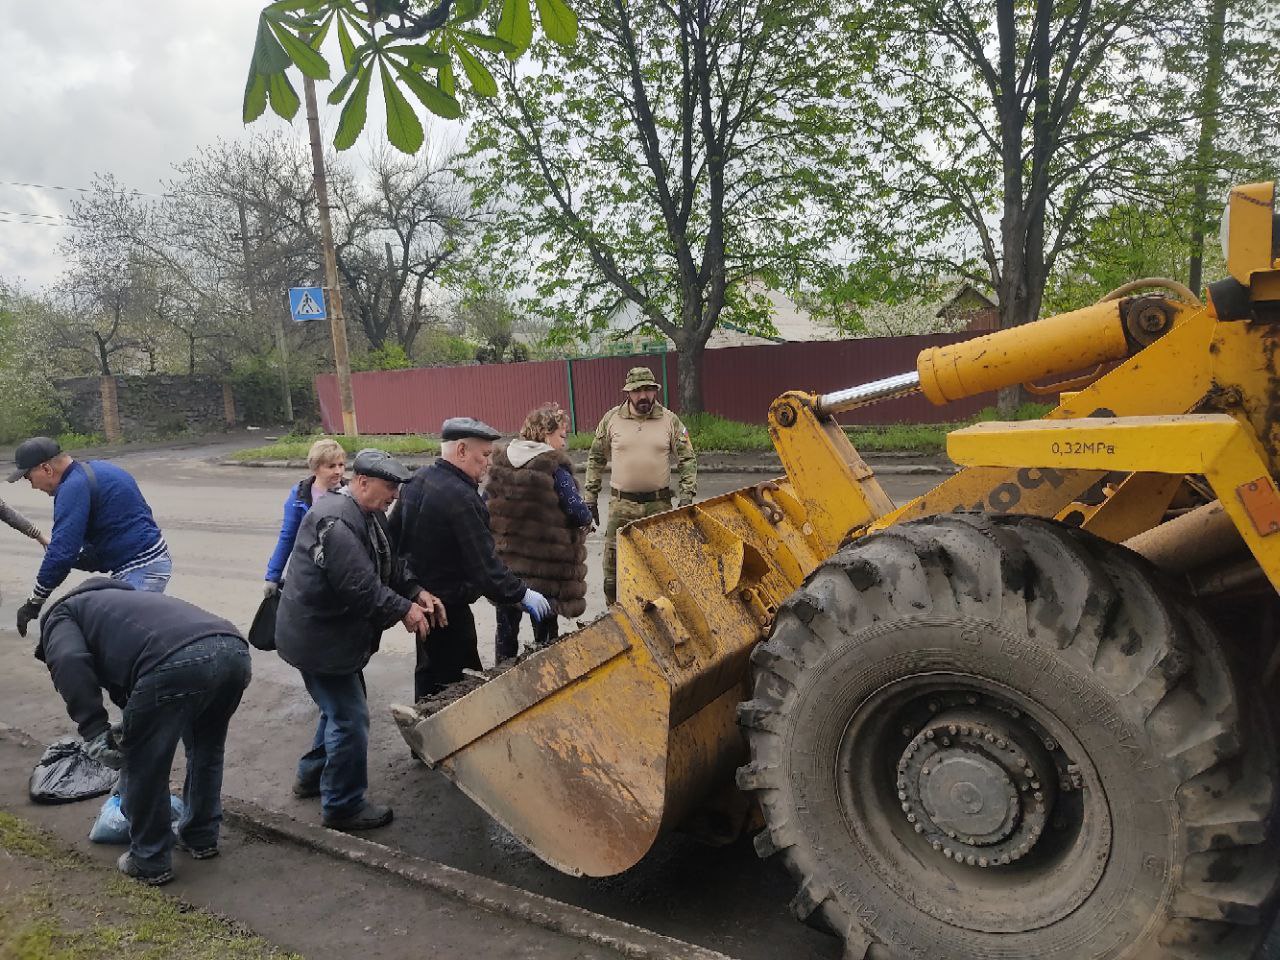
(1020, 716)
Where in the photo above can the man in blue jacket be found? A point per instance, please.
(100, 522)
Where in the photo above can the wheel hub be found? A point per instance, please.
(978, 786)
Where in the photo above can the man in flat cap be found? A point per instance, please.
(101, 522)
(636, 440)
(442, 526)
(346, 585)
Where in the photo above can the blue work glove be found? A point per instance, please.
(536, 604)
(105, 750)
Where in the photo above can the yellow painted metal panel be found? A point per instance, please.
(1249, 243)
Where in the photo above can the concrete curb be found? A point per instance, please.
(477, 891)
(492, 895)
(770, 469)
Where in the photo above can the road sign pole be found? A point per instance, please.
(337, 324)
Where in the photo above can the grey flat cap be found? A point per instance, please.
(31, 453)
(378, 463)
(463, 428)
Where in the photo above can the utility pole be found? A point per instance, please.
(251, 282)
(337, 323)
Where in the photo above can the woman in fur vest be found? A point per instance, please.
(539, 523)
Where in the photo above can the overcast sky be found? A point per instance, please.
(128, 87)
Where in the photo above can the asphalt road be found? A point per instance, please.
(221, 524)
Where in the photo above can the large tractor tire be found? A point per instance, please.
(977, 738)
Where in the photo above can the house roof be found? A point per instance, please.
(966, 291)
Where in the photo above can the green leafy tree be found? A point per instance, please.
(1226, 65)
(997, 129)
(669, 157)
(413, 48)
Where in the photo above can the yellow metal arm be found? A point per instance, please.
(1218, 446)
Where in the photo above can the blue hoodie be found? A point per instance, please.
(109, 529)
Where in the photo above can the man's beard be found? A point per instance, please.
(643, 406)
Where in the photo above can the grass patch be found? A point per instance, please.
(58, 905)
(708, 432)
(78, 441)
(296, 447)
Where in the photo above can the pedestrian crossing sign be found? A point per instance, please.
(306, 303)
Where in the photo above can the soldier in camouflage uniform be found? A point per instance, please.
(636, 439)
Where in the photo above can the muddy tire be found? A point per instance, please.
(978, 738)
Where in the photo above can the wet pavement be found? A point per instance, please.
(221, 524)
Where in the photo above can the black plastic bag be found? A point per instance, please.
(262, 632)
(65, 773)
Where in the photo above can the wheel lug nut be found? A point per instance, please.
(936, 844)
(951, 729)
(1050, 743)
(1002, 743)
(902, 794)
(919, 828)
(971, 860)
(906, 808)
(982, 861)
(1028, 772)
(928, 734)
(1038, 795)
(990, 738)
(911, 818)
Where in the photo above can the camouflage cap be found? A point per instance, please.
(638, 378)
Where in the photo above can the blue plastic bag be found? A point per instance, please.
(111, 825)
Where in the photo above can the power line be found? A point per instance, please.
(45, 216)
(49, 186)
(75, 224)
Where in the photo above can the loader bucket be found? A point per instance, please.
(589, 750)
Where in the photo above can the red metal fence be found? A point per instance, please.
(737, 383)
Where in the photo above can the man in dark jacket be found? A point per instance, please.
(101, 522)
(346, 585)
(178, 673)
(442, 527)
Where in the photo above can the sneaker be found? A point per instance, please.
(368, 817)
(306, 789)
(129, 867)
(196, 853)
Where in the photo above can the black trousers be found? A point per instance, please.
(446, 652)
(507, 641)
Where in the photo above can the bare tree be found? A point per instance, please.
(397, 237)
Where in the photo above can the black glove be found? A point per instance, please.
(595, 512)
(26, 613)
(106, 750)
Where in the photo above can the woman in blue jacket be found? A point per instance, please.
(327, 462)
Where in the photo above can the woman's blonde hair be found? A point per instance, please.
(543, 422)
(323, 451)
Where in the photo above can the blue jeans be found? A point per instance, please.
(153, 577)
(339, 754)
(189, 696)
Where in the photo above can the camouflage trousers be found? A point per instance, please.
(622, 512)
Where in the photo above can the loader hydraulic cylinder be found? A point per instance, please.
(1054, 346)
